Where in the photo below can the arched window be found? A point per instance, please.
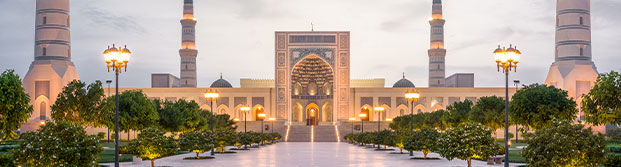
(42, 111)
(44, 52)
(44, 19)
(581, 51)
(581, 20)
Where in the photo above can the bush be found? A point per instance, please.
(613, 160)
(58, 144)
(101, 135)
(614, 148)
(467, 141)
(197, 142)
(572, 144)
(424, 140)
(151, 144)
(6, 160)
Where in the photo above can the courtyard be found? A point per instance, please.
(292, 154)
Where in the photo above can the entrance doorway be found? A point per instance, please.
(312, 111)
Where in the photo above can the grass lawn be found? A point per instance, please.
(108, 156)
(111, 144)
(515, 156)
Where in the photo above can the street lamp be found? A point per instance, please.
(117, 59)
(507, 59)
(108, 82)
(262, 116)
(272, 119)
(352, 119)
(362, 115)
(516, 83)
(379, 111)
(245, 110)
(212, 96)
(412, 97)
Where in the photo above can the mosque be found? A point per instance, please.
(312, 97)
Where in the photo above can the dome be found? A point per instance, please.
(403, 83)
(221, 83)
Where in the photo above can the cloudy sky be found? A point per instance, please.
(236, 37)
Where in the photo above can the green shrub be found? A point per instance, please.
(613, 160)
(101, 135)
(6, 160)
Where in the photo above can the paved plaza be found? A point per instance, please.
(302, 154)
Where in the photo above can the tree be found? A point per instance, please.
(398, 139)
(467, 141)
(490, 112)
(564, 144)
(220, 121)
(424, 140)
(180, 116)
(152, 144)
(435, 120)
(383, 138)
(537, 105)
(603, 103)
(83, 104)
(136, 111)
(15, 108)
(458, 113)
(224, 137)
(58, 144)
(242, 139)
(196, 141)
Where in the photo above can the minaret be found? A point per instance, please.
(436, 50)
(188, 50)
(52, 68)
(573, 70)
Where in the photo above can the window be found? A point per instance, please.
(68, 20)
(581, 51)
(42, 111)
(581, 20)
(44, 19)
(44, 52)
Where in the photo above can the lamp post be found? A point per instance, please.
(516, 83)
(412, 97)
(108, 82)
(379, 111)
(117, 59)
(362, 115)
(212, 96)
(272, 119)
(352, 119)
(245, 110)
(507, 59)
(262, 116)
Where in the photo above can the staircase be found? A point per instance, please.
(325, 134)
(299, 133)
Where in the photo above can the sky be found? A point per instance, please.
(236, 37)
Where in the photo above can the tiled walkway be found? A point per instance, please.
(294, 154)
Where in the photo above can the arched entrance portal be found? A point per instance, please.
(312, 80)
(312, 114)
(366, 111)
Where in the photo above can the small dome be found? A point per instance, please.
(403, 83)
(221, 83)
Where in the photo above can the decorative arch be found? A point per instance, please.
(436, 107)
(296, 115)
(312, 114)
(402, 110)
(327, 112)
(387, 112)
(366, 109)
(419, 109)
(222, 109)
(256, 110)
(205, 107)
(43, 107)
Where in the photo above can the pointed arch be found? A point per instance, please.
(420, 108)
(436, 107)
(222, 109)
(256, 110)
(327, 112)
(365, 109)
(296, 115)
(43, 107)
(402, 110)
